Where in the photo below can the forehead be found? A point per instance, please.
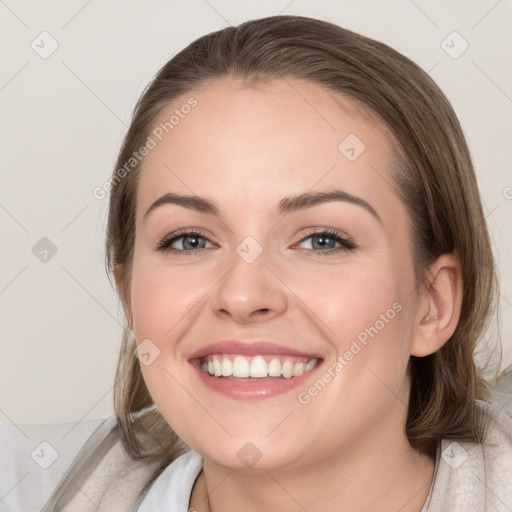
(266, 141)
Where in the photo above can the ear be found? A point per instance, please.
(122, 285)
(439, 307)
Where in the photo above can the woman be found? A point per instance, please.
(297, 238)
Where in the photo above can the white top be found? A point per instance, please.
(467, 476)
(172, 489)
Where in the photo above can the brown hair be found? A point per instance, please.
(434, 178)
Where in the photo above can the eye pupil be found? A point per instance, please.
(192, 242)
(322, 241)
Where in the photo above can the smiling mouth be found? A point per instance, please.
(254, 368)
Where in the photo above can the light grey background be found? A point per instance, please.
(62, 121)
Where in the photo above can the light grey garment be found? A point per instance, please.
(102, 477)
(469, 477)
(476, 477)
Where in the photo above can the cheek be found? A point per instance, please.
(352, 302)
(363, 312)
(162, 298)
(162, 295)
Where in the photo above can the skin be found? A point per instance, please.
(246, 149)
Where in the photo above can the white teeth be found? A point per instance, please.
(240, 367)
(298, 369)
(274, 368)
(217, 367)
(220, 365)
(258, 367)
(309, 366)
(227, 367)
(287, 369)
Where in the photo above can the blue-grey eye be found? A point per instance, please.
(193, 242)
(325, 241)
(184, 242)
(320, 241)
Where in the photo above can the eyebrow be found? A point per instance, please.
(286, 205)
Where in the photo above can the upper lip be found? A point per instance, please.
(253, 348)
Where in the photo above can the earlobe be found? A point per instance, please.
(439, 312)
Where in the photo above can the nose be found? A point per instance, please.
(249, 292)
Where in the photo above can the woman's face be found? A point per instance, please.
(257, 268)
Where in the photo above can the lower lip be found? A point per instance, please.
(256, 389)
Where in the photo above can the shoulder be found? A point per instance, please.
(102, 476)
(476, 476)
(497, 445)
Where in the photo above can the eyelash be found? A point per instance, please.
(164, 246)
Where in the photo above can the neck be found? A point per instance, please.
(377, 472)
